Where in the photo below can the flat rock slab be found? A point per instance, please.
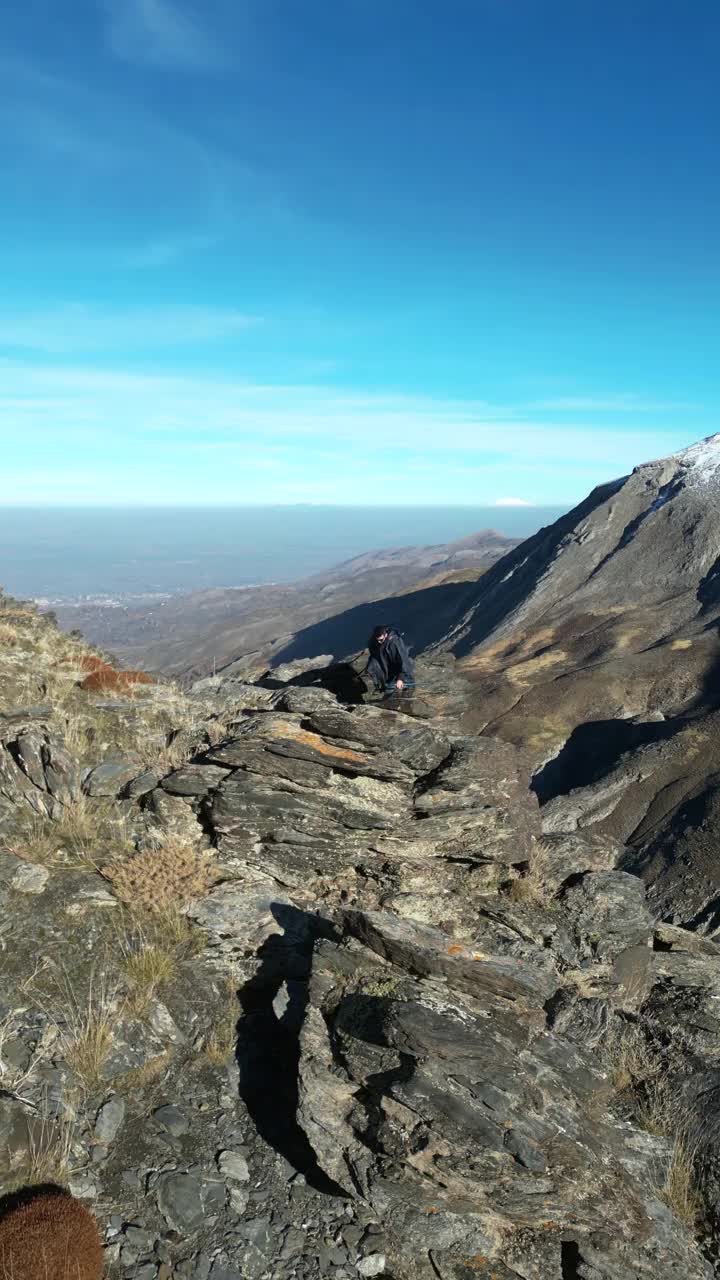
(429, 953)
(108, 779)
(194, 780)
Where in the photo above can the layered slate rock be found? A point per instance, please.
(36, 771)
(431, 1087)
(364, 804)
(443, 1045)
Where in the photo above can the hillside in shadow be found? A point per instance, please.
(425, 616)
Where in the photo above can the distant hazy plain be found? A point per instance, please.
(63, 554)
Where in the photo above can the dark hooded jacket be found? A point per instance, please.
(389, 661)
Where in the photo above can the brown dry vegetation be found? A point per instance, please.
(168, 876)
(53, 1237)
(105, 679)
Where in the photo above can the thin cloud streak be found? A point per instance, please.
(79, 327)
(623, 402)
(159, 33)
(162, 411)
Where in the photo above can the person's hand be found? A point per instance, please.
(399, 684)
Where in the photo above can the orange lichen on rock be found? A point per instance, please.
(104, 678)
(52, 1237)
(288, 731)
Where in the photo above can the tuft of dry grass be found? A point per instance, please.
(49, 1151)
(77, 733)
(680, 1190)
(631, 1061)
(167, 876)
(637, 1071)
(38, 842)
(533, 887)
(86, 1036)
(8, 636)
(80, 836)
(152, 945)
(221, 1041)
(149, 1073)
(148, 969)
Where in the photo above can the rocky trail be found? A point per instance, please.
(295, 985)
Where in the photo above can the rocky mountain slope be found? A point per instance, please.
(294, 986)
(594, 647)
(196, 633)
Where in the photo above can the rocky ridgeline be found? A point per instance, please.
(297, 987)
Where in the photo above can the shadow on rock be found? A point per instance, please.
(273, 1006)
(28, 1195)
(340, 678)
(592, 750)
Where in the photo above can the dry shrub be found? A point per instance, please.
(51, 1237)
(8, 636)
(166, 876)
(105, 679)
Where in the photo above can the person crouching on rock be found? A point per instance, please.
(390, 666)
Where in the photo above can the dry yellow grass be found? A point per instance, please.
(49, 1151)
(631, 1062)
(8, 635)
(148, 969)
(151, 946)
(149, 1073)
(221, 1041)
(637, 1071)
(85, 1033)
(533, 886)
(89, 1048)
(81, 836)
(680, 1190)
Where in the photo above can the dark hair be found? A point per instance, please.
(380, 630)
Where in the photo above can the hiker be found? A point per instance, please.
(390, 665)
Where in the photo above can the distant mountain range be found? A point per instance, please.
(188, 635)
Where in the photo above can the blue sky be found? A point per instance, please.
(352, 250)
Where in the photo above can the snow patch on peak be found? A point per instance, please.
(701, 460)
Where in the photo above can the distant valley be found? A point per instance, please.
(192, 634)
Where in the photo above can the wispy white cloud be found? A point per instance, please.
(160, 33)
(512, 502)
(79, 327)
(622, 402)
(203, 439)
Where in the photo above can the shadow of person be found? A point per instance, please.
(273, 1005)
